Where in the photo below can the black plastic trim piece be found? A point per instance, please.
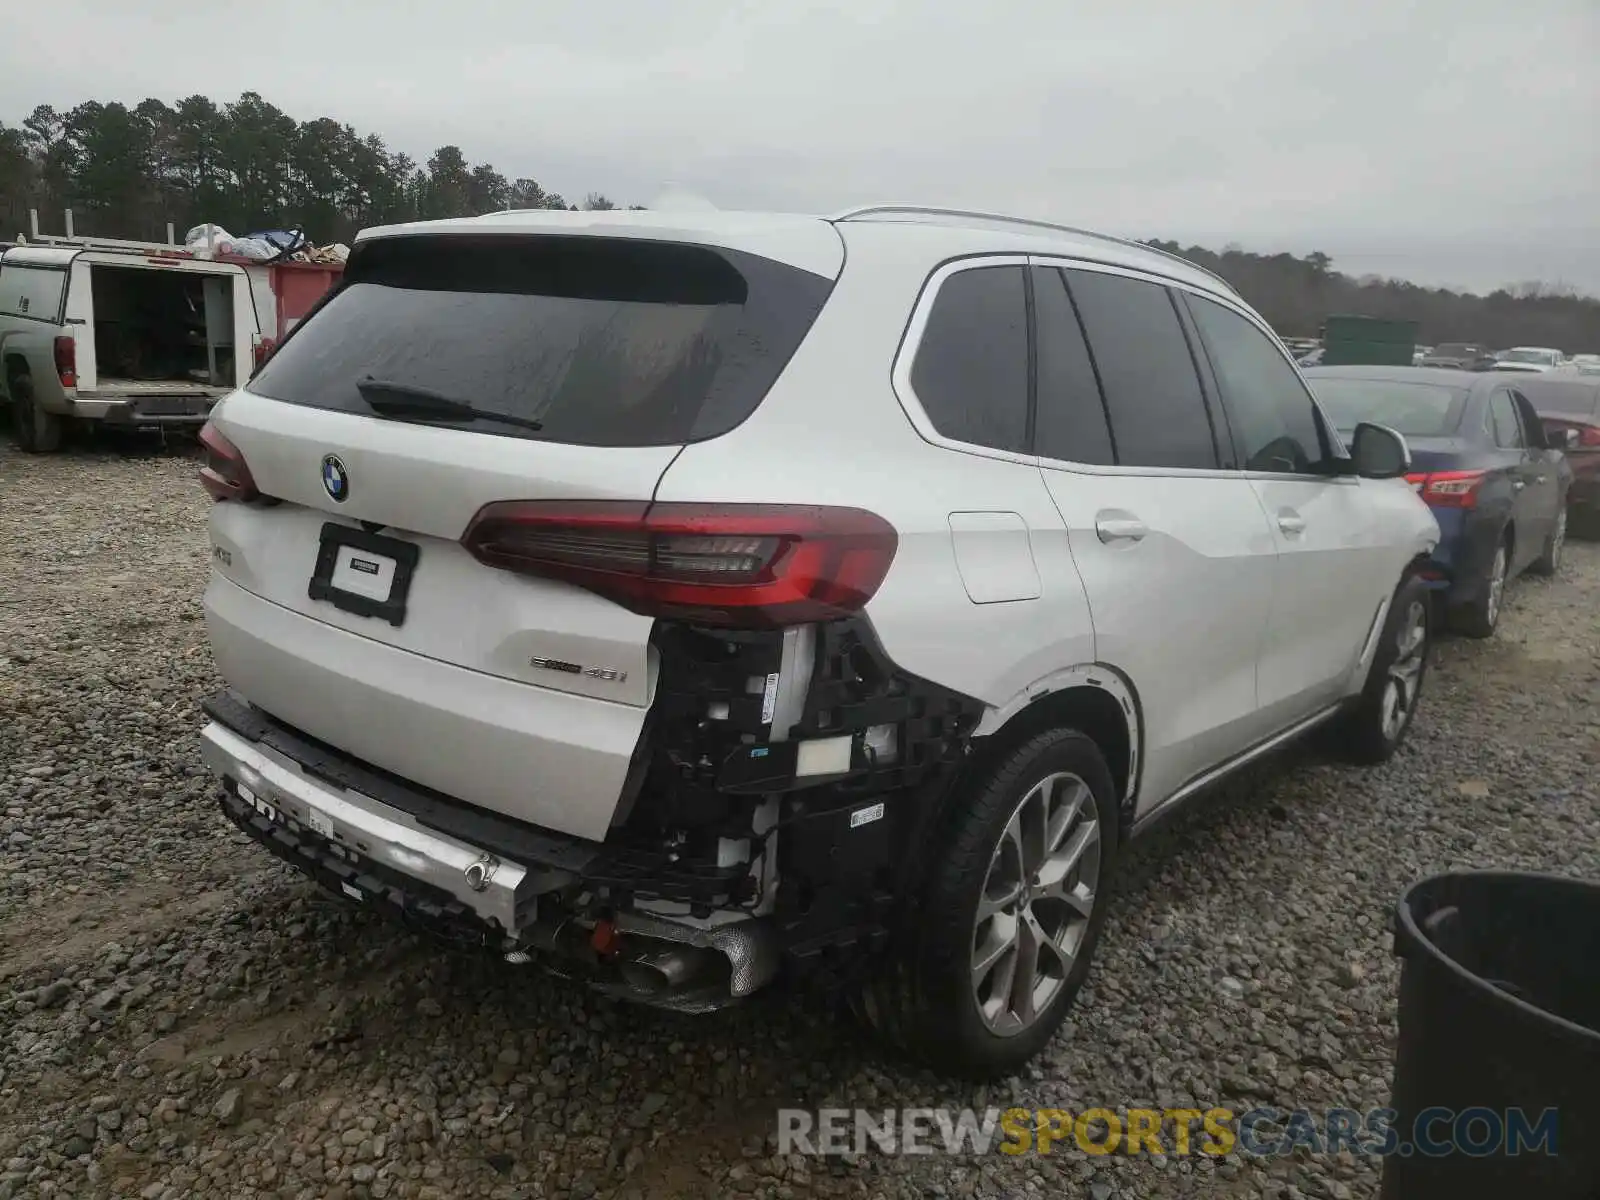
(405, 555)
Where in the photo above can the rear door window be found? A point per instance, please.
(602, 341)
(970, 373)
(1152, 387)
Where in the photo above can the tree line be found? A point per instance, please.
(247, 165)
(1297, 294)
(128, 172)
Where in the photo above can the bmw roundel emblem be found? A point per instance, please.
(335, 479)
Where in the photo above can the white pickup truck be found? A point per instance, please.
(135, 334)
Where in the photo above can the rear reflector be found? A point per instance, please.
(730, 565)
(66, 353)
(224, 472)
(1448, 489)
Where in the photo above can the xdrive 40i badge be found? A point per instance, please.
(570, 668)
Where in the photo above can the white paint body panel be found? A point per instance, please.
(1212, 633)
(1338, 558)
(994, 555)
(1179, 611)
(547, 757)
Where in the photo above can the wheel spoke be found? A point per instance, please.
(1001, 941)
(1032, 822)
(994, 901)
(1026, 975)
(1069, 805)
(1061, 865)
(1051, 947)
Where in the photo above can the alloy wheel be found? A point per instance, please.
(1558, 539)
(1036, 903)
(1405, 672)
(1497, 585)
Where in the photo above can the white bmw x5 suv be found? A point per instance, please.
(679, 600)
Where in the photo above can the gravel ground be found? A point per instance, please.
(180, 1016)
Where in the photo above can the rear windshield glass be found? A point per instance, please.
(1414, 409)
(1572, 396)
(601, 341)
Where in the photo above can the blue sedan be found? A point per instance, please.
(1480, 460)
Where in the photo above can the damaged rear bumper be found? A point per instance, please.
(477, 878)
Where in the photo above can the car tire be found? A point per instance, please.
(1549, 562)
(1482, 617)
(1017, 882)
(1375, 726)
(34, 430)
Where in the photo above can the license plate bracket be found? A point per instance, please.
(351, 554)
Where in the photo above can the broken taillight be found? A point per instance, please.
(224, 472)
(66, 355)
(735, 565)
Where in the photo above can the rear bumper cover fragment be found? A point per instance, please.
(381, 803)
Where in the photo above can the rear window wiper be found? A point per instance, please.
(390, 399)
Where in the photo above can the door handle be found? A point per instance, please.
(1291, 523)
(1120, 529)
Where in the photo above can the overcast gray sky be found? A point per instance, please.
(1447, 141)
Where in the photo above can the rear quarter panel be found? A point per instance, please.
(832, 431)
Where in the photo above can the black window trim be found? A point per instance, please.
(1094, 366)
(1332, 444)
(1224, 441)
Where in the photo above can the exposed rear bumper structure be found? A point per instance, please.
(475, 877)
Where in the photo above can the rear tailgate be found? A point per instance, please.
(422, 486)
(346, 605)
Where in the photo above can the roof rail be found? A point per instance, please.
(926, 210)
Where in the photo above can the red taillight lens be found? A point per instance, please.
(734, 565)
(66, 351)
(1589, 435)
(224, 473)
(1448, 489)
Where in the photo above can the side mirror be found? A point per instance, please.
(1378, 452)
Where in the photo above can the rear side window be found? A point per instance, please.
(971, 369)
(1070, 419)
(32, 292)
(603, 341)
(1274, 419)
(1503, 423)
(1152, 389)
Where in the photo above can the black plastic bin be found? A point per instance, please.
(1499, 1011)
